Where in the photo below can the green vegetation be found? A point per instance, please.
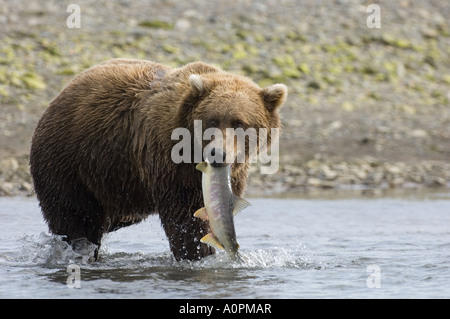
(375, 91)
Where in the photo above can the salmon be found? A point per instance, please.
(220, 206)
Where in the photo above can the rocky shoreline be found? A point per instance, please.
(364, 175)
(368, 108)
(15, 179)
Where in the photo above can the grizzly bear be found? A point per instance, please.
(101, 153)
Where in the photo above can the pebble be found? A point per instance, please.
(8, 165)
(419, 133)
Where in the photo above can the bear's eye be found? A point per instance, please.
(238, 124)
(213, 123)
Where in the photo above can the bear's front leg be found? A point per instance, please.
(184, 232)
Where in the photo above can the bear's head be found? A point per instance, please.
(236, 118)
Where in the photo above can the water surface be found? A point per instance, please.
(290, 248)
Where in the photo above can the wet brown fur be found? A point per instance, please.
(101, 154)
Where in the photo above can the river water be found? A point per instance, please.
(290, 248)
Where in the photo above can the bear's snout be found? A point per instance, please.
(217, 157)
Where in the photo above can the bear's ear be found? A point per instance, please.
(274, 96)
(198, 85)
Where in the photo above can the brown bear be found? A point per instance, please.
(101, 153)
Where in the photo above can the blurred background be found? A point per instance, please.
(368, 108)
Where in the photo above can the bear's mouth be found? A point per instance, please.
(221, 164)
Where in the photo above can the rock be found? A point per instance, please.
(347, 106)
(396, 182)
(375, 178)
(418, 133)
(182, 24)
(311, 164)
(437, 182)
(7, 189)
(328, 173)
(360, 174)
(293, 170)
(328, 184)
(8, 165)
(315, 182)
(25, 187)
(393, 169)
(430, 33)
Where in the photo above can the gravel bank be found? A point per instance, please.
(367, 108)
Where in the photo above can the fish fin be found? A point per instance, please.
(239, 204)
(211, 240)
(201, 213)
(201, 167)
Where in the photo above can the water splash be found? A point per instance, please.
(48, 251)
(270, 258)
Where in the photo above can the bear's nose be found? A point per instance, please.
(217, 157)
